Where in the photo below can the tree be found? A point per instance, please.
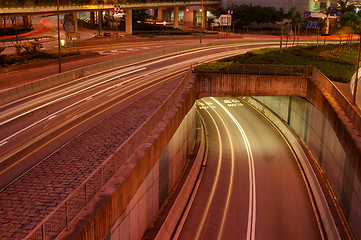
(140, 15)
(352, 20)
(343, 7)
(218, 11)
(294, 18)
(328, 12)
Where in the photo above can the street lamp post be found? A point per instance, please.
(59, 52)
(200, 36)
(356, 77)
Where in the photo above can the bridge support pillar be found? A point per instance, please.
(100, 21)
(128, 21)
(160, 14)
(75, 18)
(92, 18)
(176, 17)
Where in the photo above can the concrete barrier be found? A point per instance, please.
(175, 214)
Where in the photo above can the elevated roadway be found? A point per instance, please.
(35, 10)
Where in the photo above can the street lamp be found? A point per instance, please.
(59, 53)
(356, 77)
(200, 36)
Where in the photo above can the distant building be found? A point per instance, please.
(301, 5)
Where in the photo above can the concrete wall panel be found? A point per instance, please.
(326, 147)
(154, 190)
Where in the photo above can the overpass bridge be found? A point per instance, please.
(127, 7)
(333, 137)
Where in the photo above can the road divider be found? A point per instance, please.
(18, 92)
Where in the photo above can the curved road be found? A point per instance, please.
(26, 122)
(252, 187)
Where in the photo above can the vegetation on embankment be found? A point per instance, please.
(28, 52)
(337, 62)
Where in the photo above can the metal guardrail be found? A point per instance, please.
(255, 69)
(60, 218)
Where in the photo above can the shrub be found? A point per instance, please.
(17, 47)
(333, 60)
(31, 47)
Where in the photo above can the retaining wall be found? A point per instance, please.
(155, 189)
(250, 85)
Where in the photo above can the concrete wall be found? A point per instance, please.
(250, 85)
(315, 130)
(144, 206)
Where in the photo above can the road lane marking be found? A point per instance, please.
(85, 120)
(310, 193)
(72, 94)
(225, 212)
(251, 226)
(63, 109)
(215, 182)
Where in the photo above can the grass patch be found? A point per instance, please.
(337, 62)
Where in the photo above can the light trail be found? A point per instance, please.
(78, 124)
(81, 85)
(251, 226)
(63, 109)
(215, 182)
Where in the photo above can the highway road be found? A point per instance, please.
(34, 127)
(252, 186)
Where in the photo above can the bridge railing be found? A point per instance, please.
(351, 111)
(255, 69)
(60, 218)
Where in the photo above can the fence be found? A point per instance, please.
(60, 218)
(255, 69)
